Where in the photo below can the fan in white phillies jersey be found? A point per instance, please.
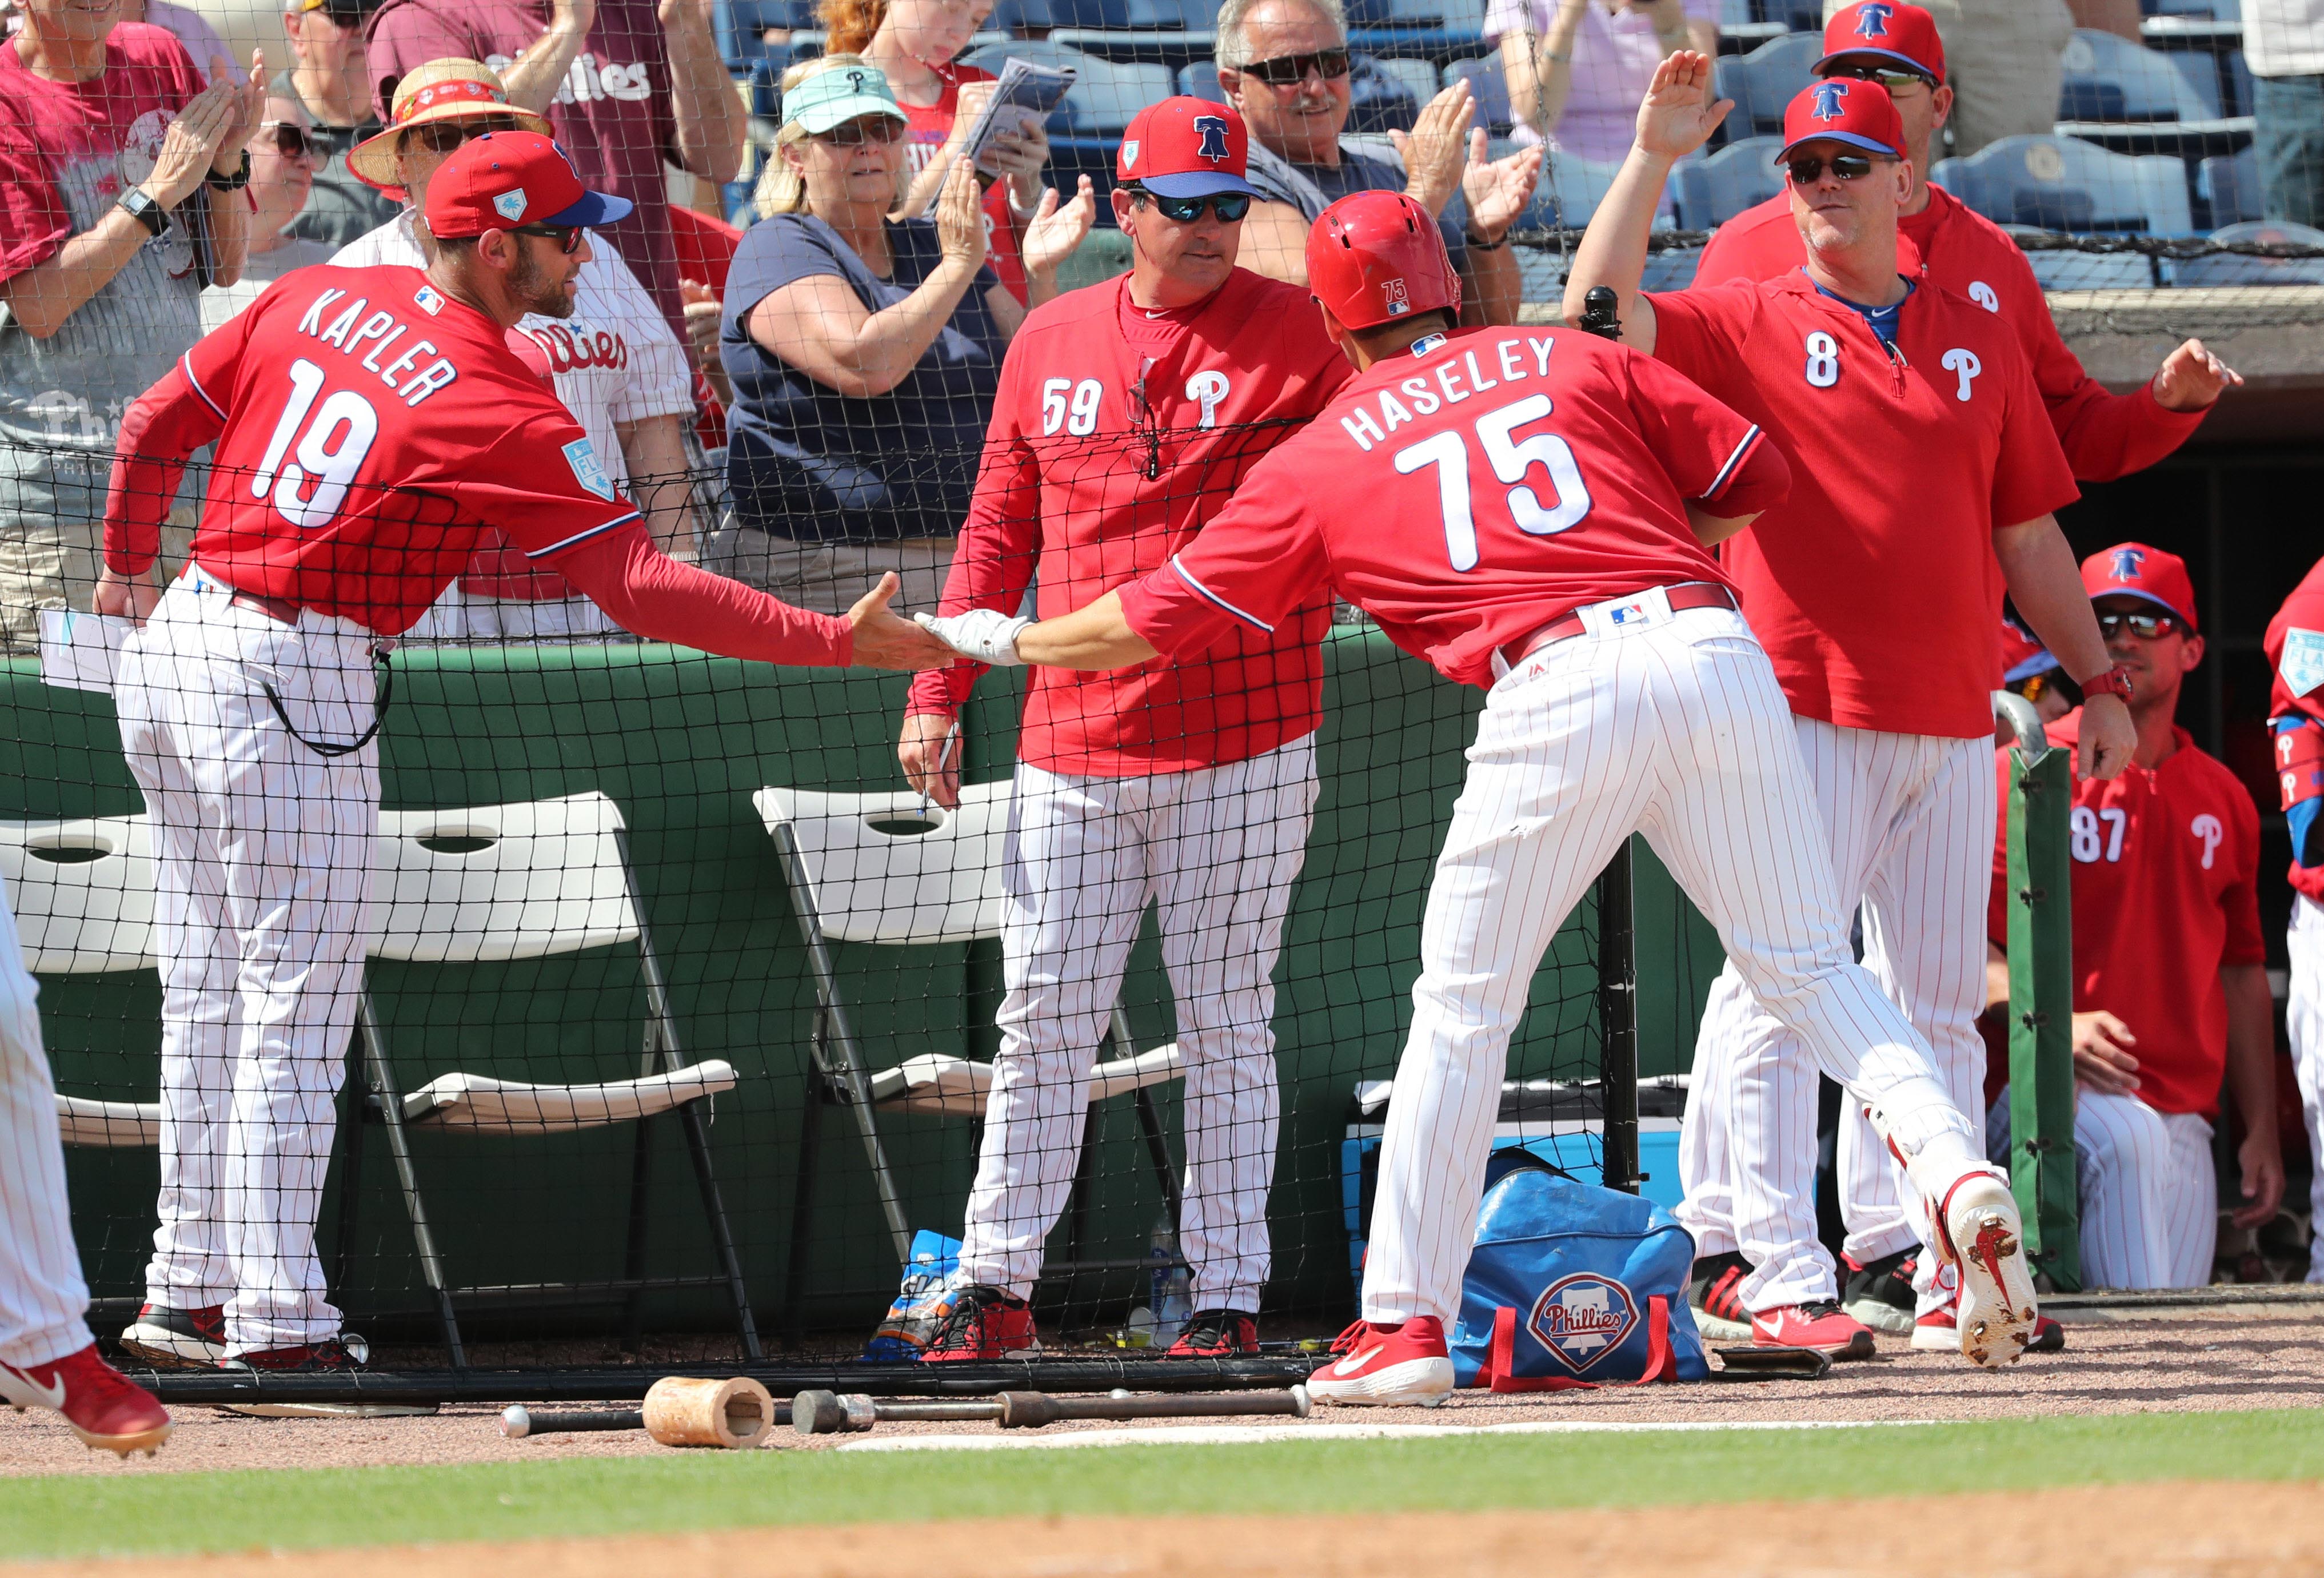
(1528, 510)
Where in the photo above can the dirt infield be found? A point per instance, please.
(2197, 1530)
(2195, 1362)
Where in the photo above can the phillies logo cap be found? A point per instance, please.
(2133, 569)
(1185, 147)
(1892, 35)
(504, 180)
(1839, 110)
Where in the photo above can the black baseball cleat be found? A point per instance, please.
(1881, 1293)
(177, 1339)
(1712, 1288)
(1216, 1334)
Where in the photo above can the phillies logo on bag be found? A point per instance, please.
(1582, 1318)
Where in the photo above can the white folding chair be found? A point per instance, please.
(521, 882)
(890, 869)
(83, 894)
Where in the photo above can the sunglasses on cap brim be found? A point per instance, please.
(1230, 207)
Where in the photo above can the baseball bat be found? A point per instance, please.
(678, 1412)
(520, 1422)
(823, 1413)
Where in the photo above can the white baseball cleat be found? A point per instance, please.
(1403, 1366)
(1997, 1313)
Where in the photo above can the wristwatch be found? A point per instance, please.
(2114, 682)
(1478, 243)
(230, 183)
(141, 208)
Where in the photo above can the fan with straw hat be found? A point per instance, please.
(440, 90)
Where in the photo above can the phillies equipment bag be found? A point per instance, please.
(1572, 1285)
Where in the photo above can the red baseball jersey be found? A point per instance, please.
(2295, 654)
(370, 430)
(1874, 587)
(2166, 891)
(1468, 496)
(2105, 436)
(1116, 434)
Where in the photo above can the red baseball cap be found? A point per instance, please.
(1373, 257)
(1838, 110)
(2023, 657)
(1185, 147)
(2133, 569)
(503, 179)
(1901, 35)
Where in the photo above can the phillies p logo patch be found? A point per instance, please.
(1212, 131)
(1582, 1318)
(1828, 95)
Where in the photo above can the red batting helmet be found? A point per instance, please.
(1373, 257)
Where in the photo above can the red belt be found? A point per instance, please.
(1686, 594)
(275, 608)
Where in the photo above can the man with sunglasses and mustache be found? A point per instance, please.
(370, 425)
(2105, 436)
(1925, 472)
(330, 75)
(1126, 415)
(2171, 993)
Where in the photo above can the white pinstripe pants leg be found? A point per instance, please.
(43, 1300)
(2150, 1213)
(2303, 1017)
(1909, 819)
(1675, 728)
(1219, 849)
(263, 852)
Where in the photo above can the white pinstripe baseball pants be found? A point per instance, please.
(1217, 851)
(1910, 821)
(2150, 1194)
(43, 1300)
(2303, 1018)
(262, 882)
(1673, 727)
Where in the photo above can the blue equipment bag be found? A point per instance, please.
(1572, 1285)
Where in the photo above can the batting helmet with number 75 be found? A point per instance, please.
(1374, 257)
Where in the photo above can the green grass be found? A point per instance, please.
(91, 1516)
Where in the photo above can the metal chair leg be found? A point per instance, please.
(634, 1256)
(399, 1147)
(810, 1146)
(357, 1085)
(722, 1237)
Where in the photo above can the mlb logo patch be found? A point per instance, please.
(428, 302)
(1627, 612)
(1582, 1318)
(510, 206)
(583, 458)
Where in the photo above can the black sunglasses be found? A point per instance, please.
(1230, 207)
(862, 129)
(1286, 70)
(1808, 168)
(292, 139)
(446, 136)
(2146, 627)
(1887, 76)
(567, 236)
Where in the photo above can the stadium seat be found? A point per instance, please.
(1764, 81)
(2229, 186)
(1418, 78)
(740, 23)
(2063, 183)
(1741, 175)
(2107, 77)
(1109, 94)
(1102, 254)
(1484, 75)
(892, 869)
(1021, 17)
(2064, 269)
(1201, 79)
(2227, 268)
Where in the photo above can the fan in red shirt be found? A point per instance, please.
(1924, 473)
(2105, 436)
(2295, 651)
(1529, 511)
(371, 425)
(2170, 990)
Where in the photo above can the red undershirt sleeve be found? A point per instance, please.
(644, 590)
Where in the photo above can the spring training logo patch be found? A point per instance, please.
(510, 206)
(586, 469)
(1582, 1318)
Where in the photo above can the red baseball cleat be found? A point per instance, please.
(979, 1321)
(1216, 1334)
(1402, 1366)
(104, 1406)
(345, 1354)
(1822, 1325)
(177, 1339)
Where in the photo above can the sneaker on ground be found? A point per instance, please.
(1985, 1239)
(177, 1339)
(1711, 1288)
(1939, 1333)
(1401, 1366)
(104, 1406)
(1216, 1334)
(1822, 1325)
(345, 1354)
(978, 1321)
(1881, 1293)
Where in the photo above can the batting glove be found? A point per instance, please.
(985, 635)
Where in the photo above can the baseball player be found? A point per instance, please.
(2295, 651)
(2170, 968)
(1126, 414)
(2105, 436)
(369, 424)
(46, 1359)
(1529, 512)
(1925, 472)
